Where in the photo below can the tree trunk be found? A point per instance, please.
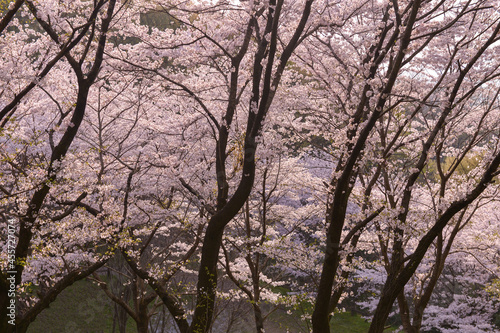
(259, 320)
(142, 326)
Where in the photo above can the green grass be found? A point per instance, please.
(81, 308)
(84, 308)
(343, 322)
(346, 322)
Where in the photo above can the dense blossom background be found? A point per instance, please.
(252, 165)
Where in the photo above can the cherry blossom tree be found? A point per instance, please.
(390, 83)
(36, 149)
(253, 54)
